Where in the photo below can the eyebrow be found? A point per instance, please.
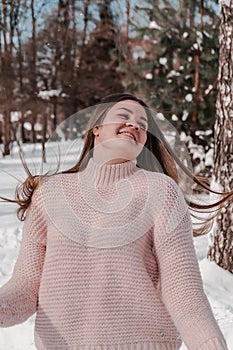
(129, 110)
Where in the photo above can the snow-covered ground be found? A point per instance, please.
(218, 283)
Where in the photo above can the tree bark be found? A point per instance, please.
(9, 21)
(221, 247)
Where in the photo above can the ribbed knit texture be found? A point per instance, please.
(95, 279)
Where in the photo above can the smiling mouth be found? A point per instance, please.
(129, 135)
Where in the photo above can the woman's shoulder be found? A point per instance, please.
(47, 181)
(49, 185)
(50, 192)
(165, 190)
(162, 180)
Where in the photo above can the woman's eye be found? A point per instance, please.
(142, 126)
(125, 116)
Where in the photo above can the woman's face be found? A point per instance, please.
(122, 134)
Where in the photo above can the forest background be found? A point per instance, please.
(61, 56)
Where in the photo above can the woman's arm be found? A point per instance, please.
(18, 297)
(181, 284)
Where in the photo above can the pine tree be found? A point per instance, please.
(221, 248)
(97, 75)
(180, 78)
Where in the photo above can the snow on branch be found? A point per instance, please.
(228, 3)
(47, 94)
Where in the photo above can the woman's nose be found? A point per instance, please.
(133, 124)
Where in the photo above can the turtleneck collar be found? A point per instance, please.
(104, 175)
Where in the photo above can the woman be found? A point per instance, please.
(107, 258)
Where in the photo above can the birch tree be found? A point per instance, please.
(221, 248)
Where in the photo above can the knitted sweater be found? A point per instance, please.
(107, 262)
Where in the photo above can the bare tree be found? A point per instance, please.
(197, 61)
(9, 21)
(127, 18)
(33, 73)
(85, 19)
(19, 59)
(221, 248)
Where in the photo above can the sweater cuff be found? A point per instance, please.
(214, 344)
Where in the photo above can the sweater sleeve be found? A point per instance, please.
(18, 297)
(180, 280)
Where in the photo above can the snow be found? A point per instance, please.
(173, 73)
(184, 115)
(149, 76)
(199, 37)
(208, 132)
(163, 61)
(46, 94)
(27, 126)
(207, 34)
(209, 157)
(218, 283)
(38, 126)
(198, 156)
(189, 97)
(225, 3)
(207, 91)
(174, 117)
(154, 25)
(183, 136)
(15, 116)
(160, 116)
(138, 52)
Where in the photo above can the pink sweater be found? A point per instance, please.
(107, 262)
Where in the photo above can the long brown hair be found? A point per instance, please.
(156, 147)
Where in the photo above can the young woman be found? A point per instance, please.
(107, 259)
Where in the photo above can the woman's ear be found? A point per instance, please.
(95, 131)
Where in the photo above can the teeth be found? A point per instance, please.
(128, 134)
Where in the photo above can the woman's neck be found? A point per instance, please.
(105, 158)
(106, 174)
(110, 161)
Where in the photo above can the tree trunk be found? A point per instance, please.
(196, 95)
(33, 71)
(44, 131)
(127, 18)
(221, 247)
(6, 136)
(86, 15)
(7, 74)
